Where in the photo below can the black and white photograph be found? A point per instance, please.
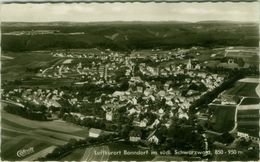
(132, 81)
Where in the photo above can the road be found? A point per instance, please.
(235, 118)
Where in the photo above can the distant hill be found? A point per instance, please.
(69, 23)
(123, 35)
(225, 22)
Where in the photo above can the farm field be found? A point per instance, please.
(87, 154)
(16, 68)
(250, 101)
(168, 158)
(252, 130)
(91, 153)
(119, 146)
(224, 117)
(243, 89)
(74, 155)
(248, 122)
(20, 133)
(248, 112)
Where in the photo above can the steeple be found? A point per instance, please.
(189, 65)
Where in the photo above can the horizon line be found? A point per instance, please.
(234, 21)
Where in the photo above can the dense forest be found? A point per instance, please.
(128, 35)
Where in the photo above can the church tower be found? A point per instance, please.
(189, 66)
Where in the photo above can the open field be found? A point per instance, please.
(119, 146)
(243, 89)
(16, 68)
(224, 115)
(250, 101)
(252, 130)
(87, 154)
(92, 153)
(248, 122)
(20, 133)
(246, 87)
(248, 112)
(168, 158)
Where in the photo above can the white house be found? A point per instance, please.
(109, 116)
(94, 133)
(143, 123)
(244, 135)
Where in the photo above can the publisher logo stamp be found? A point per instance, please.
(24, 152)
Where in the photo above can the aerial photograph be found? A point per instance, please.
(130, 81)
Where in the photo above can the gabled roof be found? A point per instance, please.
(94, 130)
(151, 134)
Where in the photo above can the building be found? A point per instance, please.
(105, 73)
(109, 116)
(94, 133)
(135, 136)
(152, 138)
(143, 123)
(139, 89)
(197, 67)
(247, 136)
(189, 65)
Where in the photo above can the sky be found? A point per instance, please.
(93, 12)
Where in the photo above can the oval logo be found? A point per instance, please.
(24, 152)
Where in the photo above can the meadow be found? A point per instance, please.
(20, 133)
(224, 117)
(18, 66)
(88, 154)
(250, 101)
(248, 122)
(243, 89)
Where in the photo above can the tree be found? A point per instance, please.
(226, 138)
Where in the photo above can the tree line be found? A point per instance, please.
(26, 112)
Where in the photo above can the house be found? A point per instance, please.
(118, 93)
(143, 123)
(161, 93)
(109, 116)
(160, 111)
(153, 87)
(135, 136)
(183, 115)
(197, 67)
(152, 97)
(139, 89)
(134, 101)
(166, 86)
(131, 111)
(169, 103)
(136, 79)
(152, 138)
(148, 92)
(94, 133)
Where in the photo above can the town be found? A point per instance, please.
(146, 97)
